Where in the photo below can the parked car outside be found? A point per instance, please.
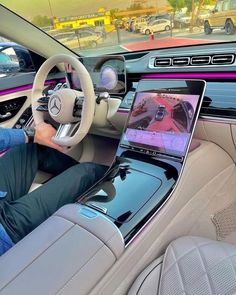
(139, 23)
(154, 17)
(7, 65)
(98, 30)
(181, 20)
(156, 26)
(203, 15)
(84, 39)
(14, 58)
(223, 16)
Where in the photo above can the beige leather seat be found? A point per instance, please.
(190, 265)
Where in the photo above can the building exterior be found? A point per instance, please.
(100, 19)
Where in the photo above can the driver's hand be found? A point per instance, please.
(43, 135)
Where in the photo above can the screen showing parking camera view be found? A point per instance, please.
(163, 119)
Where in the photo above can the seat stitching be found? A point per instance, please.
(172, 248)
(180, 257)
(229, 258)
(147, 276)
(203, 260)
(159, 279)
(219, 261)
(197, 247)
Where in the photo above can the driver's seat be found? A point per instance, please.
(190, 265)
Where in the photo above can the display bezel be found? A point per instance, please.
(193, 87)
(99, 66)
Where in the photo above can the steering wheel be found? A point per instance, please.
(68, 107)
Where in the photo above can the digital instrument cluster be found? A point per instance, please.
(108, 74)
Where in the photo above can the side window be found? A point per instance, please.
(226, 5)
(14, 58)
(85, 34)
(218, 6)
(233, 4)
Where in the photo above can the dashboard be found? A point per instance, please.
(217, 68)
(119, 75)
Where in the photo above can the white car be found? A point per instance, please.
(156, 26)
(83, 39)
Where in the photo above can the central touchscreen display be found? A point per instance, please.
(162, 119)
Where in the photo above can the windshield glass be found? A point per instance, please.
(94, 27)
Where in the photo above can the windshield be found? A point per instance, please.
(91, 27)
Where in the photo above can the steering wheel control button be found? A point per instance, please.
(43, 99)
(42, 108)
(78, 106)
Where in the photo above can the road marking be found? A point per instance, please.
(125, 48)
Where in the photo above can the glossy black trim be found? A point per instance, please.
(135, 187)
(212, 106)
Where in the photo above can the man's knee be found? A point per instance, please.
(93, 170)
(97, 169)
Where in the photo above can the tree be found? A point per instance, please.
(113, 12)
(195, 10)
(177, 4)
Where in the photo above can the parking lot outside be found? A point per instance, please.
(127, 39)
(141, 25)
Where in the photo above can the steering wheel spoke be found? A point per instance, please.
(65, 130)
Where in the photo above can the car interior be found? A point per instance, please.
(162, 220)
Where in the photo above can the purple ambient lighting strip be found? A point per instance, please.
(27, 87)
(200, 75)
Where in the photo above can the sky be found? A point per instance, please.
(31, 8)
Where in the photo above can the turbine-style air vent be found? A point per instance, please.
(162, 62)
(200, 60)
(222, 59)
(180, 61)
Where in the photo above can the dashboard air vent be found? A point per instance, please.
(222, 59)
(162, 62)
(193, 61)
(200, 60)
(181, 61)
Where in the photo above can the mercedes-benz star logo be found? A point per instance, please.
(55, 105)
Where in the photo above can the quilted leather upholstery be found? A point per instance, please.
(196, 266)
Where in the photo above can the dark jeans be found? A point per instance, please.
(20, 211)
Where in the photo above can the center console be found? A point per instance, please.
(151, 153)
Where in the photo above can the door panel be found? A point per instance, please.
(23, 100)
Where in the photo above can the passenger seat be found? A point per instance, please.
(190, 265)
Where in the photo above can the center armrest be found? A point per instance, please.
(59, 256)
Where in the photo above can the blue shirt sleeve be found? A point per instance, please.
(5, 241)
(11, 137)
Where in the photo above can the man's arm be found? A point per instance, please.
(11, 137)
(43, 135)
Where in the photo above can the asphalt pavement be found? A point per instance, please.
(122, 41)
